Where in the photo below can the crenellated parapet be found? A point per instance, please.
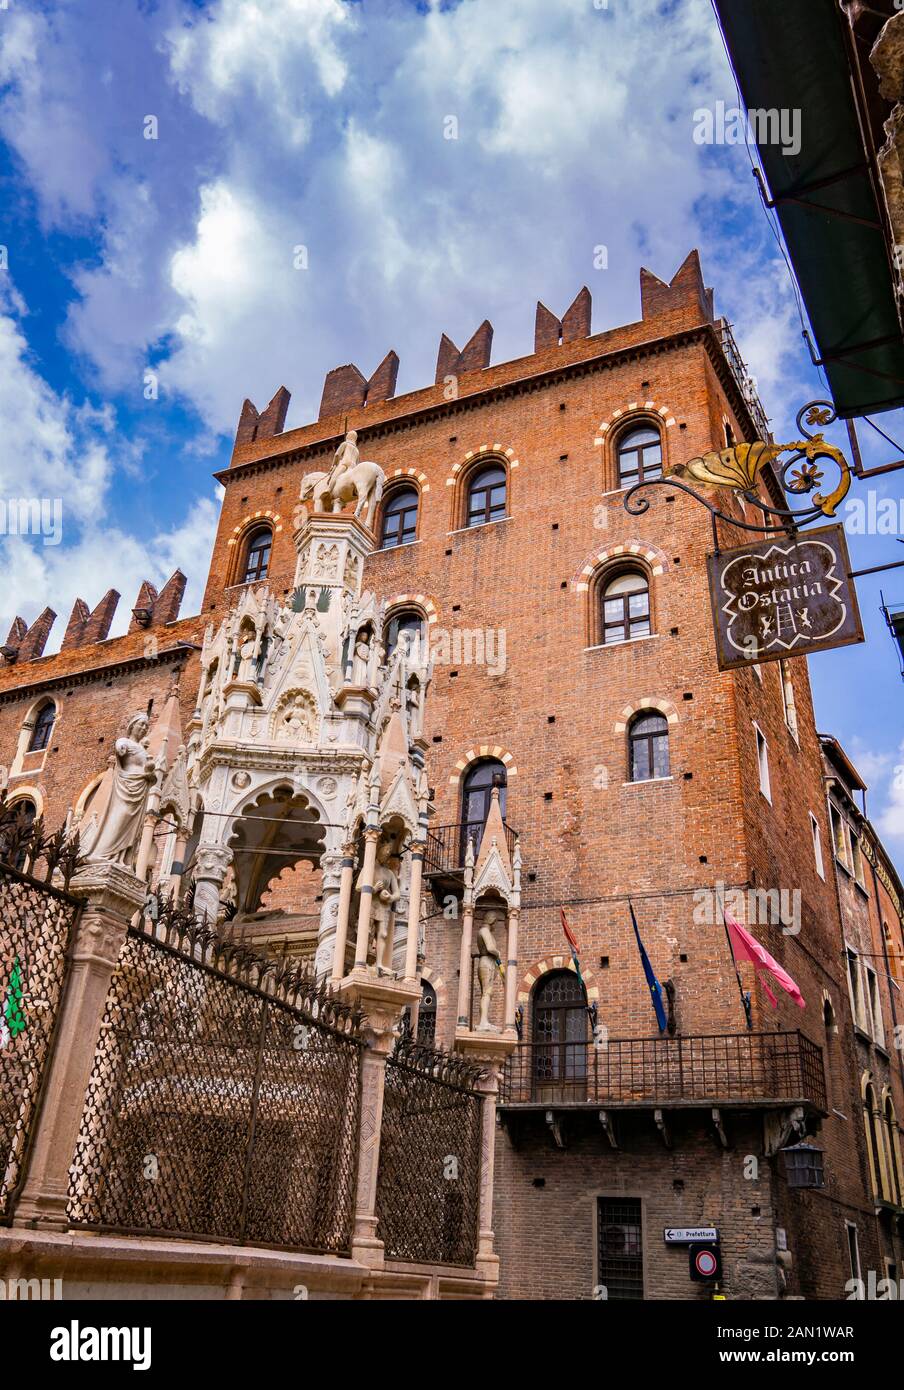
(153, 609)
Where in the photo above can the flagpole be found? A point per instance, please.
(745, 997)
(653, 984)
(576, 961)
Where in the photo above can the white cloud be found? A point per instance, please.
(65, 450)
(235, 284)
(45, 439)
(268, 52)
(43, 113)
(573, 130)
(890, 821)
(872, 764)
(321, 123)
(104, 557)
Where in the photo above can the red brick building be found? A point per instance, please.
(576, 673)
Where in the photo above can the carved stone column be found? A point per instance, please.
(365, 905)
(365, 1245)
(175, 878)
(211, 863)
(330, 878)
(511, 967)
(382, 1002)
(489, 1052)
(346, 883)
(414, 911)
(112, 894)
(146, 845)
(464, 966)
(487, 1260)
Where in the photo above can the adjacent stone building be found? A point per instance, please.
(576, 710)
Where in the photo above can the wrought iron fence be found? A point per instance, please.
(626, 1071)
(36, 927)
(447, 845)
(223, 1103)
(428, 1183)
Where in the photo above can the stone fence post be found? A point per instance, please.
(112, 895)
(382, 1001)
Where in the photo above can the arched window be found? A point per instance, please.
(22, 814)
(399, 518)
(486, 495)
(639, 455)
(257, 555)
(626, 608)
(832, 1045)
(405, 626)
(426, 1014)
(874, 1152)
(648, 746)
(477, 796)
(894, 1153)
(43, 727)
(559, 1027)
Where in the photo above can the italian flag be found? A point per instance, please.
(12, 1020)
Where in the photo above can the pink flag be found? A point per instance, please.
(746, 947)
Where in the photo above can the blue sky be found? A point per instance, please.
(320, 123)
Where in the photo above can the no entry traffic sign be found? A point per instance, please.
(705, 1262)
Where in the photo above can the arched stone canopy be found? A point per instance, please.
(306, 742)
(278, 827)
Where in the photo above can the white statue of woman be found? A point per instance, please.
(488, 963)
(133, 776)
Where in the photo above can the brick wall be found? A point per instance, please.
(589, 837)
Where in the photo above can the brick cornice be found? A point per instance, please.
(92, 673)
(704, 334)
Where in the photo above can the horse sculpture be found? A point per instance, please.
(350, 477)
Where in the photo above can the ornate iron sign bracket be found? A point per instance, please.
(737, 468)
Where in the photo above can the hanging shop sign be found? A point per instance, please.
(787, 596)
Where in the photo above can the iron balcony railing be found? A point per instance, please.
(726, 1068)
(744, 380)
(447, 845)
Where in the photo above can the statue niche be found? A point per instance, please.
(295, 718)
(489, 964)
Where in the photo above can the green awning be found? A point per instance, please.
(791, 55)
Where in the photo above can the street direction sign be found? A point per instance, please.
(690, 1235)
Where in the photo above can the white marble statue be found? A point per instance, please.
(133, 776)
(350, 477)
(488, 964)
(385, 896)
(362, 655)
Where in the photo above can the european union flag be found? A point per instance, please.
(655, 986)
